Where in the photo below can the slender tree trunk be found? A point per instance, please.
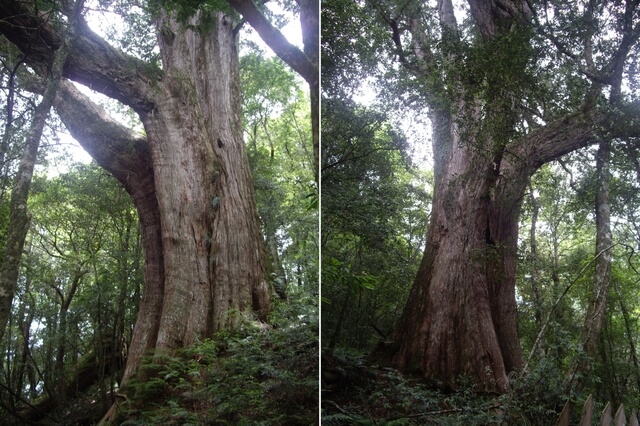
(630, 334)
(24, 319)
(533, 270)
(598, 302)
(310, 23)
(19, 217)
(8, 126)
(279, 276)
(343, 313)
(62, 334)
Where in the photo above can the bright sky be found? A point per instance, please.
(415, 125)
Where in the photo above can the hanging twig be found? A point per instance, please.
(555, 305)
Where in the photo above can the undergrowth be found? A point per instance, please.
(357, 393)
(252, 376)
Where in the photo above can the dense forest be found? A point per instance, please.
(500, 280)
(174, 278)
(455, 185)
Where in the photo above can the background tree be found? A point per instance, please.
(80, 288)
(277, 133)
(569, 285)
(18, 214)
(374, 221)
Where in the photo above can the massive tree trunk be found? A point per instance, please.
(460, 318)
(213, 251)
(189, 176)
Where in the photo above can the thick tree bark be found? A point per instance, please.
(460, 318)
(195, 155)
(213, 251)
(454, 322)
(189, 177)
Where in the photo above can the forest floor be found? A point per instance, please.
(258, 375)
(357, 392)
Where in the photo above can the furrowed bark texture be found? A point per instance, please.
(199, 160)
(460, 318)
(189, 176)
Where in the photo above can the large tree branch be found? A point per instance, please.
(554, 139)
(116, 148)
(310, 23)
(120, 151)
(572, 132)
(289, 53)
(92, 61)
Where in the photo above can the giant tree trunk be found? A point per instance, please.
(212, 250)
(460, 318)
(189, 176)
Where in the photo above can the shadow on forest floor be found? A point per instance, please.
(253, 376)
(356, 392)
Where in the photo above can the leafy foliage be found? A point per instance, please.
(277, 131)
(258, 376)
(374, 220)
